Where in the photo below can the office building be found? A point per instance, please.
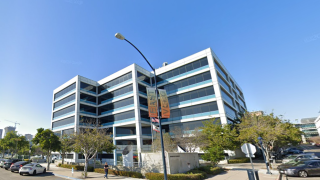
(199, 88)
(8, 129)
(308, 127)
(29, 137)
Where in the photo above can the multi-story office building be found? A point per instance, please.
(29, 137)
(199, 88)
(308, 127)
(8, 129)
(0, 133)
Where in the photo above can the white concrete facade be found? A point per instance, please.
(70, 100)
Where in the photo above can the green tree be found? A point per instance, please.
(273, 130)
(10, 142)
(216, 139)
(48, 142)
(90, 140)
(67, 142)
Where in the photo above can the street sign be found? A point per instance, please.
(248, 149)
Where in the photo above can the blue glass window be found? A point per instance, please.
(191, 95)
(143, 78)
(219, 69)
(87, 87)
(64, 101)
(224, 84)
(116, 81)
(115, 105)
(226, 97)
(64, 111)
(115, 93)
(188, 67)
(65, 90)
(117, 117)
(201, 108)
(63, 122)
(230, 111)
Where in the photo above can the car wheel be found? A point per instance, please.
(12, 171)
(44, 171)
(20, 174)
(6, 168)
(303, 174)
(34, 172)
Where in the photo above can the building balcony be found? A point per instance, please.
(89, 102)
(118, 122)
(91, 92)
(188, 87)
(86, 112)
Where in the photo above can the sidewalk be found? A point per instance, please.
(234, 172)
(76, 175)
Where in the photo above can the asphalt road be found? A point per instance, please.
(8, 175)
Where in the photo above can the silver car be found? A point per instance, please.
(32, 168)
(297, 157)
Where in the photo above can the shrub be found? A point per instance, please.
(120, 173)
(160, 176)
(196, 171)
(239, 160)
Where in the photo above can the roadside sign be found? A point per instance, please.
(248, 149)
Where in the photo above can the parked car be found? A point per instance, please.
(2, 162)
(32, 168)
(293, 151)
(9, 162)
(16, 166)
(304, 169)
(297, 157)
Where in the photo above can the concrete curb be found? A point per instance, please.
(263, 171)
(67, 177)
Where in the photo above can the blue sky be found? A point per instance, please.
(270, 47)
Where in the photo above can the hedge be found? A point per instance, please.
(76, 167)
(160, 176)
(208, 170)
(120, 173)
(239, 160)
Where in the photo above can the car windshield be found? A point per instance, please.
(31, 165)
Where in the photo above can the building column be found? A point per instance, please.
(216, 87)
(77, 105)
(114, 142)
(137, 111)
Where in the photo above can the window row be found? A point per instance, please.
(115, 93)
(187, 82)
(117, 117)
(65, 90)
(64, 101)
(227, 98)
(188, 126)
(224, 84)
(66, 131)
(114, 82)
(186, 68)
(229, 111)
(125, 131)
(88, 87)
(64, 111)
(63, 122)
(85, 119)
(201, 108)
(115, 105)
(218, 68)
(191, 95)
(143, 77)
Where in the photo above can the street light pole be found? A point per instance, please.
(121, 37)
(264, 157)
